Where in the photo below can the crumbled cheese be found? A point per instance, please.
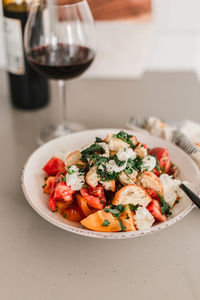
(148, 163)
(125, 154)
(101, 168)
(143, 218)
(111, 167)
(171, 188)
(105, 148)
(75, 180)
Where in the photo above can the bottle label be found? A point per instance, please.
(14, 46)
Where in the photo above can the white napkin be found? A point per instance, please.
(185, 134)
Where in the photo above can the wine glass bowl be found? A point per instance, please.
(60, 43)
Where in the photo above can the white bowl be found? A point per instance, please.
(33, 179)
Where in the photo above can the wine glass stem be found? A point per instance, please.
(62, 102)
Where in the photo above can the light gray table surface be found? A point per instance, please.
(40, 261)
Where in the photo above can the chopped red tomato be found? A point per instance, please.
(48, 184)
(52, 203)
(155, 171)
(95, 197)
(154, 208)
(152, 193)
(53, 166)
(162, 156)
(60, 191)
(64, 192)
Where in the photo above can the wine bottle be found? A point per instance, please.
(28, 89)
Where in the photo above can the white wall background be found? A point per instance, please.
(170, 43)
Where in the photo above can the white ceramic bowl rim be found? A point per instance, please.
(105, 235)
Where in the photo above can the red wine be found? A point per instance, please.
(65, 61)
(28, 89)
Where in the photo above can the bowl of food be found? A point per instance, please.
(109, 183)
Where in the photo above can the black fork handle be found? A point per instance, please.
(195, 199)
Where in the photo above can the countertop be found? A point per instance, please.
(40, 261)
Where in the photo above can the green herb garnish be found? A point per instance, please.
(99, 160)
(116, 213)
(123, 228)
(105, 223)
(133, 165)
(63, 179)
(118, 162)
(127, 216)
(162, 169)
(69, 171)
(125, 137)
(106, 176)
(98, 140)
(44, 185)
(165, 208)
(116, 210)
(133, 207)
(157, 165)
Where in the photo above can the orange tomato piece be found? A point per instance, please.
(48, 184)
(73, 213)
(82, 203)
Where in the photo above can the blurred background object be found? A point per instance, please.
(104, 10)
(28, 89)
(121, 9)
(169, 42)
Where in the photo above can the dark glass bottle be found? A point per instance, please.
(28, 89)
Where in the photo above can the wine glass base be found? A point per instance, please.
(54, 131)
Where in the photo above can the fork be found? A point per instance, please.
(195, 199)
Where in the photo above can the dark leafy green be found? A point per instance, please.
(86, 153)
(98, 140)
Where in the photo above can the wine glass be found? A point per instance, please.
(60, 43)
